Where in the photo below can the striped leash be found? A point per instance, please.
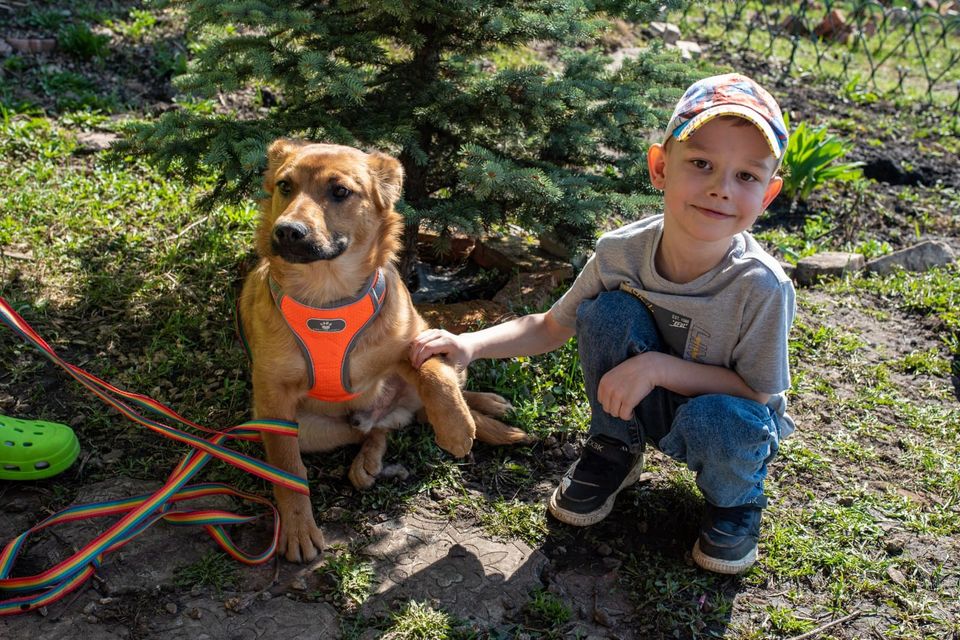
(138, 513)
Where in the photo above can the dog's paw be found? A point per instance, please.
(492, 404)
(300, 539)
(456, 444)
(364, 471)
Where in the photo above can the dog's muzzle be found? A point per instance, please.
(293, 243)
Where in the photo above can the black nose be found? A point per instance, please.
(288, 232)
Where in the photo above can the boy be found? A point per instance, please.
(682, 323)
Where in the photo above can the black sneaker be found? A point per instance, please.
(728, 538)
(586, 493)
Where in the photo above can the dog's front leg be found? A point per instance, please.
(300, 537)
(437, 384)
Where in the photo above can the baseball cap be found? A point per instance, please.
(731, 94)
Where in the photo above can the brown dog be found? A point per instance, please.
(327, 239)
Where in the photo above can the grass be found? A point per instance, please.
(214, 569)
(129, 280)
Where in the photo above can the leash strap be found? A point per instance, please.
(141, 512)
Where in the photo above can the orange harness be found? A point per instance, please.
(328, 334)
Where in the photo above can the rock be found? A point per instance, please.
(452, 564)
(513, 253)
(463, 316)
(95, 141)
(5, 49)
(445, 249)
(919, 257)
(534, 290)
(32, 45)
(834, 27)
(689, 50)
(569, 451)
(669, 32)
(812, 269)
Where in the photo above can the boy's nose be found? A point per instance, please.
(720, 187)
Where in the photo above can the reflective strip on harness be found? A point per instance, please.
(327, 335)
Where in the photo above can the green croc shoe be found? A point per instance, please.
(34, 449)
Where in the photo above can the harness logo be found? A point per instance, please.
(324, 325)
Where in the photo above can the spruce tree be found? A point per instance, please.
(555, 144)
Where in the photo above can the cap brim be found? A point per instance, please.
(741, 111)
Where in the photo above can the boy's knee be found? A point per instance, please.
(735, 426)
(612, 313)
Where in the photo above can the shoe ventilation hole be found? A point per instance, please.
(8, 443)
(11, 467)
(28, 444)
(43, 464)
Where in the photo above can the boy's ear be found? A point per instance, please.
(657, 164)
(773, 189)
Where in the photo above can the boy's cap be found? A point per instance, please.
(731, 94)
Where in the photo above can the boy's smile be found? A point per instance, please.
(716, 183)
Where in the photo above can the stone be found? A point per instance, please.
(95, 141)
(452, 564)
(834, 27)
(919, 257)
(669, 32)
(812, 269)
(533, 290)
(463, 316)
(689, 50)
(513, 253)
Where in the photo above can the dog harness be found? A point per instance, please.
(327, 335)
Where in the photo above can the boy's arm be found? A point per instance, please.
(622, 388)
(524, 336)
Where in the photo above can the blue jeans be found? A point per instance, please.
(726, 440)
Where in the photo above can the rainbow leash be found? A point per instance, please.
(138, 513)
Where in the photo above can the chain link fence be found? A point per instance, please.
(870, 48)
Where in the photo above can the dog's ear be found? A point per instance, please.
(387, 175)
(276, 154)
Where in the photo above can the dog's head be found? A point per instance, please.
(329, 203)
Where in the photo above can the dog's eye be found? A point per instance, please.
(340, 192)
(284, 186)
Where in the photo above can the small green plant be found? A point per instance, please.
(812, 159)
(547, 608)
(215, 570)
(418, 621)
(78, 40)
(353, 577)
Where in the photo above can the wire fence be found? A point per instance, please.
(869, 47)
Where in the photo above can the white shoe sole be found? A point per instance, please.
(729, 567)
(586, 519)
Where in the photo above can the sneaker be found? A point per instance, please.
(586, 493)
(728, 538)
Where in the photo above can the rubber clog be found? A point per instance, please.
(35, 449)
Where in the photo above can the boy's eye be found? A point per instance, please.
(700, 164)
(748, 177)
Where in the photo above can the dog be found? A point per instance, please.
(327, 239)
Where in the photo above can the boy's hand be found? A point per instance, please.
(434, 341)
(622, 388)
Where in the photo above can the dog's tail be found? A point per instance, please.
(485, 409)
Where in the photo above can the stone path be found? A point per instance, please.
(448, 564)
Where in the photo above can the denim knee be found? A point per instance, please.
(727, 441)
(617, 319)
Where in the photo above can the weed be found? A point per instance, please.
(353, 578)
(78, 40)
(514, 519)
(215, 569)
(547, 609)
(419, 621)
(812, 159)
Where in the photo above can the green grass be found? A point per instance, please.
(353, 578)
(215, 570)
(419, 621)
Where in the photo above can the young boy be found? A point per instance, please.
(682, 322)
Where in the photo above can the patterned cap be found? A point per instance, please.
(731, 94)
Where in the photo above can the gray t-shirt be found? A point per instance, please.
(737, 315)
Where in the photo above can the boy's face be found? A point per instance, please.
(717, 182)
